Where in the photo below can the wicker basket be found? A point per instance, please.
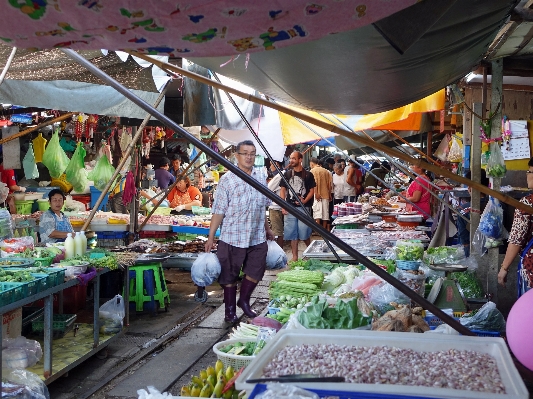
(234, 361)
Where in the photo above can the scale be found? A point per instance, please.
(446, 293)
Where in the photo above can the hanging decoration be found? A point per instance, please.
(160, 135)
(92, 123)
(146, 143)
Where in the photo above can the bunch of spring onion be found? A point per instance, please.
(244, 330)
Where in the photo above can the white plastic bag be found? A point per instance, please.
(72, 205)
(111, 315)
(205, 269)
(153, 393)
(20, 353)
(18, 384)
(276, 256)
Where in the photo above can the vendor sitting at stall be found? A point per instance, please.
(184, 196)
(418, 193)
(54, 225)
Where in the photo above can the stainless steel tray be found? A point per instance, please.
(318, 249)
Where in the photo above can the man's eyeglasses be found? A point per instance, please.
(246, 155)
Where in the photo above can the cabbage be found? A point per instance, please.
(332, 281)
(350, 274)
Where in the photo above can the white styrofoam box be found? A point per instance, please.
(108, 227)
(157, 227)
(496, 347)
(12, 324)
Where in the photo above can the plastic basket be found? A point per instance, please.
(163, 210)
(347, 226)
(10, 292)
(200, 210)
(44, 205)
(61, 324)
(272, 309)
(408, 264)
(45, 262)
(234, 361)
(23, 207)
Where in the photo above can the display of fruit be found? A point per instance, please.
(213, 382)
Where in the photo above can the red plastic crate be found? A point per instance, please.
(74, 299)
(153, 234)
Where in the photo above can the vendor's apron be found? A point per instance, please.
(62, 225)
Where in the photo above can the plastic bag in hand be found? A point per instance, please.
(76, 172)
(491, 222)
(29, 165)
(276, 256)
(205, 269)
(488, 318)
(17, 383)
(496, 163)
(111, 315)
(54, 158)
(20, 353)
(102, 173)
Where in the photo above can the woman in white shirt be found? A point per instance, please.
(340, 187)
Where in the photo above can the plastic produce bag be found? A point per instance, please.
(285, 391)
(488, 318)
(20, 353)
(382, 295)
(491, 222)
(10, 246)
(443, 149)
(153, 393)
(23, 384)
(440, 255)
(72, 205)
(205, 269)
(29, 165)
(276, 256)
(76, 172)
(102, 173)
(479, 243)
(409, 250)
(414, 279)
(6, 223)
(495, 164)
(111, 315)
(54, 158)
(456, 151)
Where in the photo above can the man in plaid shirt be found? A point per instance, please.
(240, 209)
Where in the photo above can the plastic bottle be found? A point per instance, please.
(70, 249)
(78, 244)
(84, 242)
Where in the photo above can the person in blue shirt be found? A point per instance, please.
(162, 175)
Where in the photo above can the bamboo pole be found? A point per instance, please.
(125, 156)
(167, 190)
(342, 132)
(32, 129)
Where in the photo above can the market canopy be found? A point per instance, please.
(50, 79)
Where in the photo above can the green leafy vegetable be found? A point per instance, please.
(344, 315)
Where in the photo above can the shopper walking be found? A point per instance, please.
(323, 180)
(240, 209)
(303, 184)
(274, 210)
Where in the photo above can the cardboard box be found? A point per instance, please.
(12, 324)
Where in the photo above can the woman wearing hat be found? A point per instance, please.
(54, 225)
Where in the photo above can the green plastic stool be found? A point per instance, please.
(147, 285)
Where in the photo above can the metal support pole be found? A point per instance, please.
(269, 194)
(495, 106)
(475, 167)
(8, 64)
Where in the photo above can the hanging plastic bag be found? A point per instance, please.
(205, 269)
(54, 158)
(276, 256)
(102, 173)
(111, 315)
(496, 164)
(443, 149)
(479, 243)
(491, 222)
(456, 151)
(29, 165)
(76, 172)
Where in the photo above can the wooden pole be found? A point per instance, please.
(125, 156)
(176, 182)
(342, 132)
(32, 129)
